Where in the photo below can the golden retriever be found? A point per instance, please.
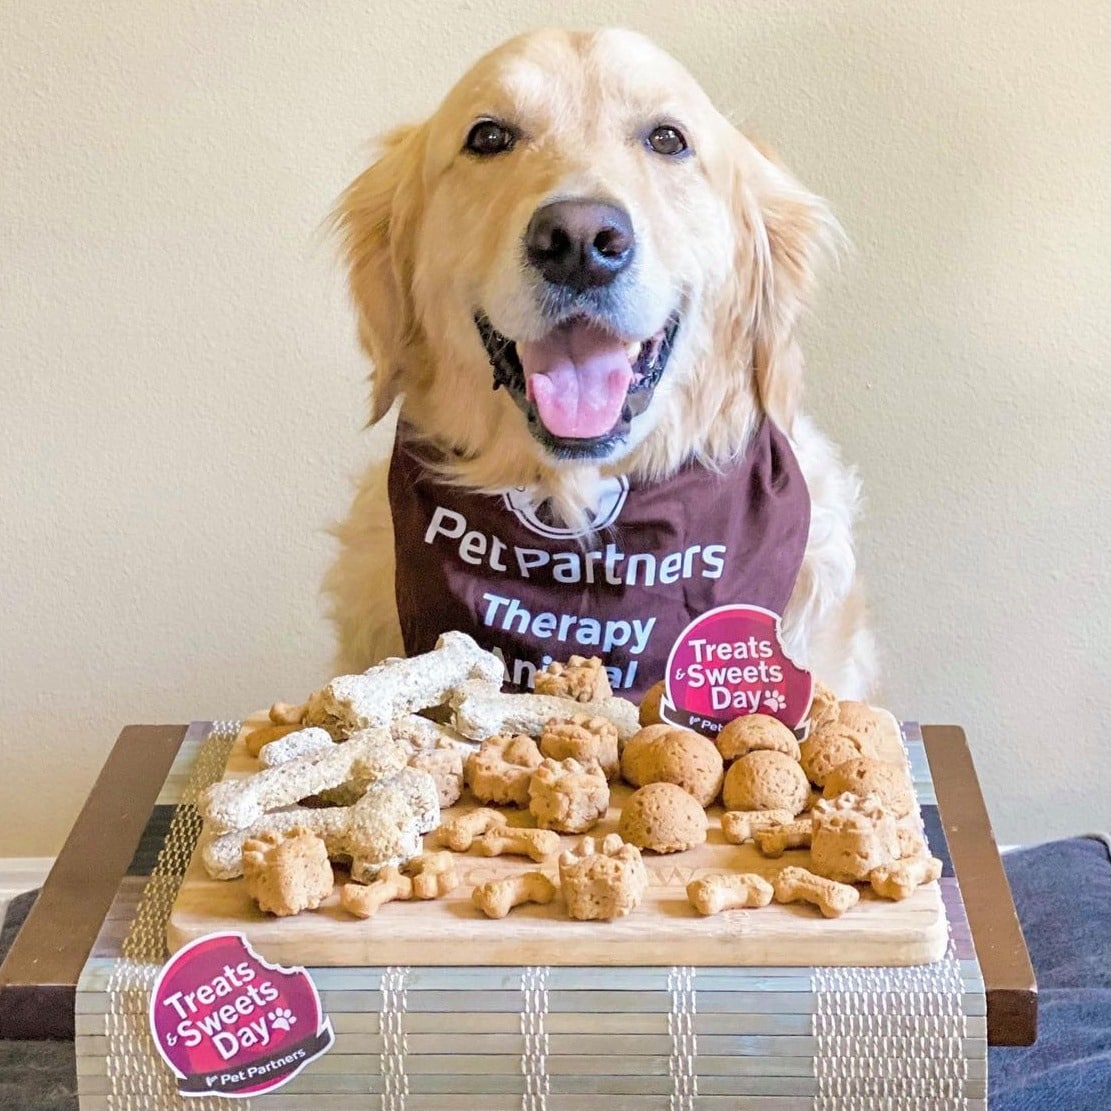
(578, 225)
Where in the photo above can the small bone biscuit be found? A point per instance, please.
(287, 872)
(568, 796)
(433, 875)
(756, 731)
(257, 739)
(445, 765)
(237, 803)
(739, 826)
(498, 897)
(793, 885)
(537, 844)
(482, 711)
(765, 780)
(384, 827)
(899, 880)
(458, 833)
(583, 738)
(649, 713)
(584, 680)
(602, 881)
(364, 901)
(499, 772)
(739, 891)
(866, 775)
(792, 835)
(294, 745)
(387, 691)
(285, 713)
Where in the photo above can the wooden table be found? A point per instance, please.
(38, 981)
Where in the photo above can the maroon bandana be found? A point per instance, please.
(659, 555)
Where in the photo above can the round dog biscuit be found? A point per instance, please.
(636, 750)
(860, 718)
(828, 747)
(865, 775)
(756, 731)
(650, 704)
(765, 780)
(824, 706)
(663, 818)
(685, 758)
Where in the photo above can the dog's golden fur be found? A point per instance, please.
(726, 237)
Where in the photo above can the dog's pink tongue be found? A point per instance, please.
(577, 377)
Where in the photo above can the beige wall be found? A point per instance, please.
(181, 399)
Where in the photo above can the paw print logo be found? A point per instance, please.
(774, 702)
(282, 1018)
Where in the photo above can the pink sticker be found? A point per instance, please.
(230, 1024)
(728, 663)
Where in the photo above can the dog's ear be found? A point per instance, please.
(377, 219)
(782, 231)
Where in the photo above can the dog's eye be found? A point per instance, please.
(489, 137)
(666, 139)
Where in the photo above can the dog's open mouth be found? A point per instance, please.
(580, 386)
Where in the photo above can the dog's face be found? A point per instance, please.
(578, 225)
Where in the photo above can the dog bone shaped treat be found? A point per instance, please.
(579, 678)
(739, 826)
(583, 738)
(537, 844)
(384, 827)
(262, 735)
(482, 711)
(498, 897)
(420, 733)
(568, 796)
(286, 713)
(433, 875)
(852, 836)
(793, 885)
(602, 880)
(364, 901)
(777, 840)
(288, 872)
(739, 891)
(500, 770)
(237, 803)
(898, 880)
(395, 687)
(302, 742)
(459, 833)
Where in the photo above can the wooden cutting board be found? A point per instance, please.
(663, 930)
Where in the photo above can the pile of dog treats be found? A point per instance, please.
(358, 774)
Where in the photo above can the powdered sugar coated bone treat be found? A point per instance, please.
(372, 755)
(396, 687)
(384, 827)
(482, 711)
(293, 746)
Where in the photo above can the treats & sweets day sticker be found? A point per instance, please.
(730, 662)
(230, 1024)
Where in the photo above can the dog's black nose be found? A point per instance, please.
(580, 244)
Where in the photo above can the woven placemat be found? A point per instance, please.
(554, 1039)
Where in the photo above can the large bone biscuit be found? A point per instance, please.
(482, 711)
(372, 755)
(396, 687)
